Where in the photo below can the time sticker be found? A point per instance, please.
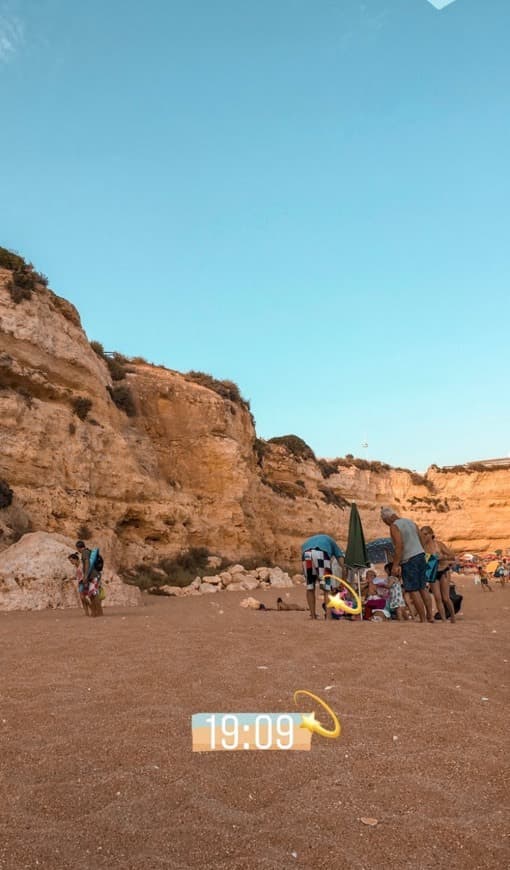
(213, 732)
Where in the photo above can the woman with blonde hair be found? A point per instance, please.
(440, 585)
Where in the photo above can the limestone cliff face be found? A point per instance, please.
(187, 469)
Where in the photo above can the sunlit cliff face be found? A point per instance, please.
(186, 470)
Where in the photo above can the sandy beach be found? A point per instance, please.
(97, 769)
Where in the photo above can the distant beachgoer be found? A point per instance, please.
(484, 580)
(93, 579)
(440, 585)
(316, 554)
(82, 587)
(501, 573)
(288, 605)
(409, 561)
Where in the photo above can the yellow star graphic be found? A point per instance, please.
(312, 724)
(309, 722)
(336, 602)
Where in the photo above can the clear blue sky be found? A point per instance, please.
(309, 197)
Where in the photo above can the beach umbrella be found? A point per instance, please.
(492, 566)
(380, 550)
(356, 553)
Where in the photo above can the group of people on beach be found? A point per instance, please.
(88, 566)
(415, 582)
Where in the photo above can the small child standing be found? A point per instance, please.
(484, 580)
(396, 603)
(82, 585)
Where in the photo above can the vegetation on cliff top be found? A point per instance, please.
(226, 389)
(295, 445)
(24, 277)
(471, 467)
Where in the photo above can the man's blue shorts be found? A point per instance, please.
(414, 573)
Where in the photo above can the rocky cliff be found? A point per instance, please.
(183, 467)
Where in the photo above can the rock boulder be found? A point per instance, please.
(35, 574)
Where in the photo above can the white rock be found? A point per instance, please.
(195, 584)
(176, 591)
(234, 587)
(236, 569)
(279, 578)
(208, 587)
(249, 584)
(263, 573)
(214, 561)
(250, 603)
(298, 579)
(226, 578)
(215, 579)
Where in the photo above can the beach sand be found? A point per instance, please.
(96, 768)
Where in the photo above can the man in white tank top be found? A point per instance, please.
(409, 561)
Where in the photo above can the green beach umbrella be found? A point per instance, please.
(356, 555)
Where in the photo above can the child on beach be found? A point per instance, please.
(377, 596)
(82, 586)
(484, 580)
(396, 603)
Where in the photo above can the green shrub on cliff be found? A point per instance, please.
(331, 497)
(294, 445)
(6, 494)
(123, 398)
(10, 260)
(177, 571)
(81, 406)
(226, 389)
(24, 277)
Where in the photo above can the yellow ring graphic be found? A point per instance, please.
(311, 723)
(336, 602)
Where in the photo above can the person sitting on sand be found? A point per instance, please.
(82, 586)
(409, 561)
(316, 554)
(375, 599)
(290, 605)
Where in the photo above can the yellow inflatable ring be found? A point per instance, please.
(336, 602)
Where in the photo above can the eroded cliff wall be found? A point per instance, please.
(187, 469)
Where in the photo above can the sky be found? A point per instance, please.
(307, 197)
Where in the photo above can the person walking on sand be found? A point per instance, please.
(484, 580)
(317, 555)
(409, 561)
(440, 584)
(82, 587)
(92, 577)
